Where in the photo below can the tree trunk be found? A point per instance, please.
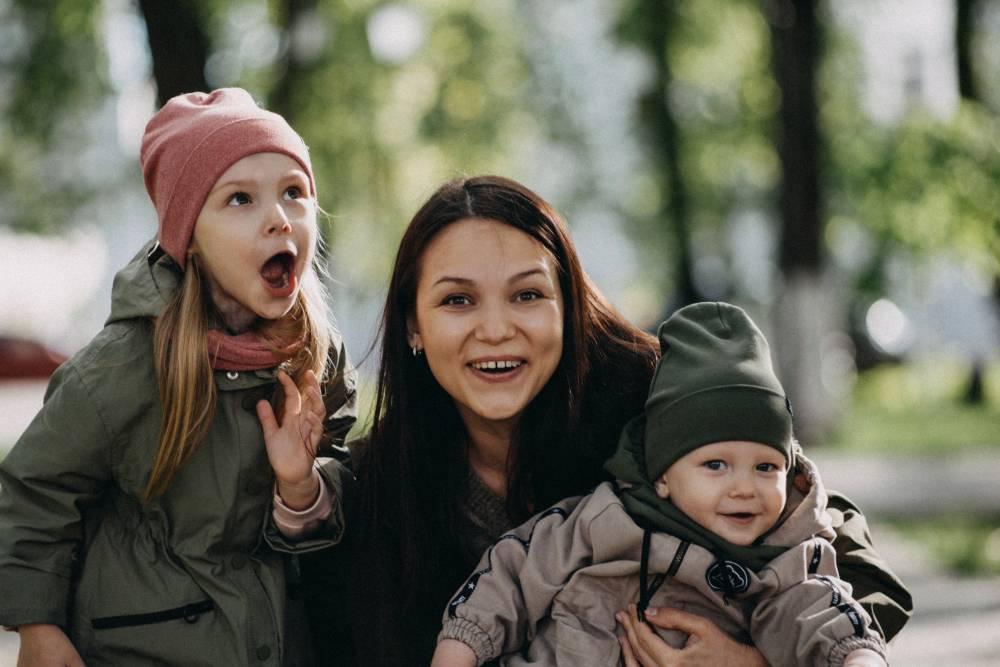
(795, 34)
(282, 97)
(965, 15)
(807, 312)
(178, 44)
(653, 22)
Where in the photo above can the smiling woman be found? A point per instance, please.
(490, 322)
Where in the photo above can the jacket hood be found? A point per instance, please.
(144, 286)
(804, 514)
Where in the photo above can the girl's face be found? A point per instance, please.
(489, 317)
(256, 236)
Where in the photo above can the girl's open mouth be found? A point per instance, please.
(278, 273)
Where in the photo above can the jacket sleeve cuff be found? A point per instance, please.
(32, 596)
(471, 635)
(295, 524)
(319, 533)
(843, 648)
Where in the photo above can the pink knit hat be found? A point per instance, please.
(192, 141)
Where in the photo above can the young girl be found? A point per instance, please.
(132, 509)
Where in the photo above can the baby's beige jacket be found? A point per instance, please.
(546, 593)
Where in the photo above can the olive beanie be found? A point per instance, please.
(192, 141)
(714, 383)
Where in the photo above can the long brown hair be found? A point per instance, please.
(184, 371)
(414, 470)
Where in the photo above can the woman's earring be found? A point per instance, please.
(417, 351)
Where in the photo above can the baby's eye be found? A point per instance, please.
(294, 192)
(238, 199)
(456, 300)
(528, 295)
(767, 467)
(715, 464)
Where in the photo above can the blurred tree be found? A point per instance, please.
(51, 78)
(796, 47)
(966, 12)
(648, 25)
(808, 308)
(179, 45)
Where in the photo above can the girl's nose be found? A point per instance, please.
(277, 222)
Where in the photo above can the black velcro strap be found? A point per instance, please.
(189, 612)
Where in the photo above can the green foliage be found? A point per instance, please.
(383, 135)
(51, 68)
(920, 185)
(964, 544)
(723, 97)
(917, 409)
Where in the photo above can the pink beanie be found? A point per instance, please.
(192, 141)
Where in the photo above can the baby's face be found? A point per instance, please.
(735, 489)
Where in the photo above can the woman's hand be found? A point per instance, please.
(291, 447)
(45, 645)
(707, 645)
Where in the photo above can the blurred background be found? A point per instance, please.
(833, 167)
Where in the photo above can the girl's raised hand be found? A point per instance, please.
(291, 446)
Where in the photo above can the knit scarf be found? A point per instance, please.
(650, 511)
(247, 351)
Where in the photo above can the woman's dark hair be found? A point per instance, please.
(413, 472)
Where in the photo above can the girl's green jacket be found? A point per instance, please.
(191, 578)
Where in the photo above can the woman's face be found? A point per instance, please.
(489, 317)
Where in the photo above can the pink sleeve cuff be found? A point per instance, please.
(300, 523)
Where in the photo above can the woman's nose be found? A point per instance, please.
(494, 325)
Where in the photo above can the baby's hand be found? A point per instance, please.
(291, 447)
(453, 653)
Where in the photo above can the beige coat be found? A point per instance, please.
(546, 593)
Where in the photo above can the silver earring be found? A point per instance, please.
(417, 351)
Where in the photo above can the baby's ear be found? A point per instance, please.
(662, 490)
(802, 483)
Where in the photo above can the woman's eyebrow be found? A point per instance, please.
(526, 274)
(453, 279)
(469, 282)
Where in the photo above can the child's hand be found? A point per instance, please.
(46, 646)
(453, 653)
(291, 447)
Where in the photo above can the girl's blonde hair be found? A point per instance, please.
(184, 371)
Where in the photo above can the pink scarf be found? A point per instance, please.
(245, 352)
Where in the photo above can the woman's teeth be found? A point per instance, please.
(495, 365)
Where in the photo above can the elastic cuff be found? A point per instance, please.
(471, 635)
(843, 648)
(293, 523)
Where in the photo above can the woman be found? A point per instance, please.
(505, 380)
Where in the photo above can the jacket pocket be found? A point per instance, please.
(189, 612)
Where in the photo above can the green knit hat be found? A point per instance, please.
(714, 383)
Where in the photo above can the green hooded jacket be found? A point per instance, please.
(191, 578)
